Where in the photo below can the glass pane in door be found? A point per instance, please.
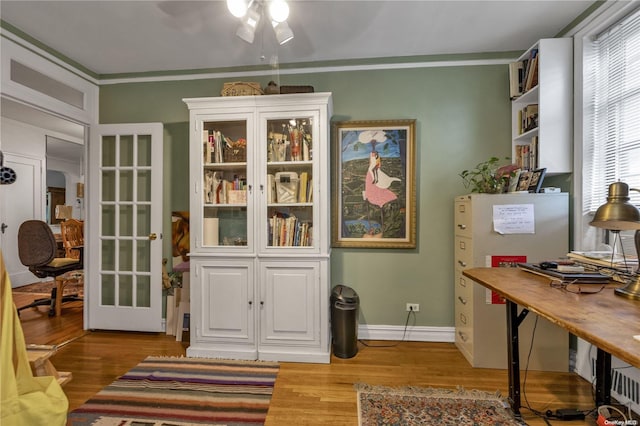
(125, 231)
(290, 182)
(224, 177)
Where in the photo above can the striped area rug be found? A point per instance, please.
(183, 391)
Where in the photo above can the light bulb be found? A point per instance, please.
(238, 8)
(278, 10)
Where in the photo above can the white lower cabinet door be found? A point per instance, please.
(224, 309)
(293, 311)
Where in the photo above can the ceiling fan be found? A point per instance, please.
(250, 13)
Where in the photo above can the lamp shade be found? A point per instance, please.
(283, 32)
(617, 214)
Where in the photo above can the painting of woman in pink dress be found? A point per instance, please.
(373, 192)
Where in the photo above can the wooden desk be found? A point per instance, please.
(603, 319)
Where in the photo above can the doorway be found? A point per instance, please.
(33, 142)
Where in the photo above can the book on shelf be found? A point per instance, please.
(532, 73)
(302, 192)
(526, 155)
(523, 75)
(271, 189)
(533, 153)
(530, 65)
(522, 156)
(516, 72)
(288, 231)
(529, 118)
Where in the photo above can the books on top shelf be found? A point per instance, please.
(217, 148)
(523, 75)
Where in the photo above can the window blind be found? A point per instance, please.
(611, 150)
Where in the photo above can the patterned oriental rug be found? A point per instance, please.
(379, 405)
(183, 391)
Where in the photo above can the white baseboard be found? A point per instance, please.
(414, 334)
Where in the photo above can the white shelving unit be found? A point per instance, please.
(554, 97)
(259, 227)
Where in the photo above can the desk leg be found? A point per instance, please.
(513, 356)
(603, 378)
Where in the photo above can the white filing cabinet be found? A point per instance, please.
(480, 323)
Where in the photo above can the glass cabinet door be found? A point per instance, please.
(289, 180)
(225, 185)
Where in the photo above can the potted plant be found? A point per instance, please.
(488, 177)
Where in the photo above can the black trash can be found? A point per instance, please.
(344, 321)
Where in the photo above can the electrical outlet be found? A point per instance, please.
(413, 307)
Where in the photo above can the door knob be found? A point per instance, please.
(153, 236)
(3, 227)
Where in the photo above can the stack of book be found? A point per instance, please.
(526, 155)
(528, 118)
(523, 75)
(289, 231)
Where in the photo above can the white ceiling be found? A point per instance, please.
(109, 37)
(114, 37)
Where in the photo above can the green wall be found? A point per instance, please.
(463, 117)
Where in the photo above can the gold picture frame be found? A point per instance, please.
(374, 184)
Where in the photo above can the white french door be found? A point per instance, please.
(124, 227)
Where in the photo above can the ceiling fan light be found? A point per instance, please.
(246, 33)
(278, 10)
(252, 18)
(238, 8)
(283, 32)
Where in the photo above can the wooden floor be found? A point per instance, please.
(305, 394)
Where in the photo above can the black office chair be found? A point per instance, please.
(37, 250)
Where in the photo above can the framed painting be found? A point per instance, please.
(374, 192)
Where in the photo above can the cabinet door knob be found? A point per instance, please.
(250, 302)
(464, 302)
(462, 226)
(461, 263)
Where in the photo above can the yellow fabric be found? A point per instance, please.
(62, 261)
(24, 399)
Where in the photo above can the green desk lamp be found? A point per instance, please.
(616, 215)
